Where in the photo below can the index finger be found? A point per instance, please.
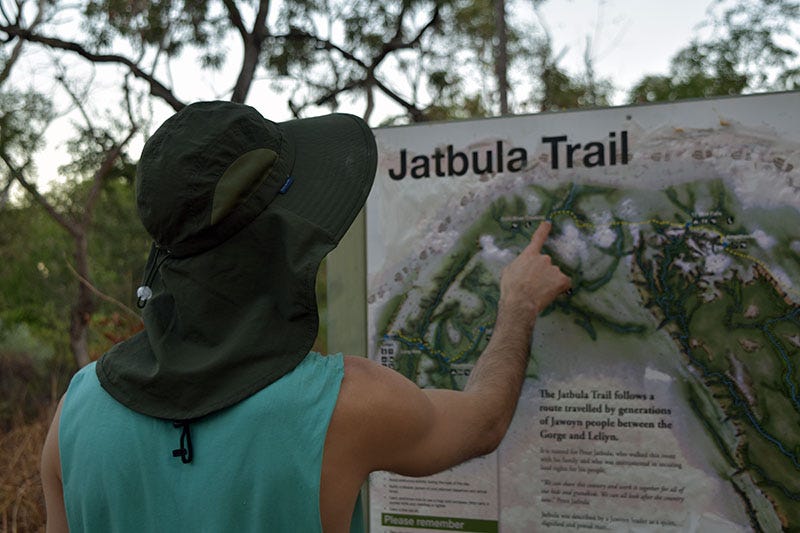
(540, 235)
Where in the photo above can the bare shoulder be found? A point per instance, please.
(362, 367)
(371, 375)
(371, 390)
(381, 406)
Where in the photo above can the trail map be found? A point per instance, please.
(663, 392)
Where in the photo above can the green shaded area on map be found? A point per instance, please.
(713, 274)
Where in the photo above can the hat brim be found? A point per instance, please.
(335, 158)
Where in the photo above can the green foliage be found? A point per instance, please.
(437, 55)
(23, 119)
(37, 281)
(87, 151)
(691, 76)
(331, 45)
(19, 339)
(752, 47)
(758, 37)
(30, 375)
(451, 101)
(33, 279)
(558, 90)
(119, 245)
(537, 81)
(169, 25)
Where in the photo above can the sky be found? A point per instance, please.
(630, 38)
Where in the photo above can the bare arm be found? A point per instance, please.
(393, 425)
(528, 285)
(51, 478)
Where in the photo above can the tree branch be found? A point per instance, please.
(61, 78)
(369, 78)
(86, 283)
(397, 43)
(15, 53)
(236, 18)
(17, 50)
(322, 44)
(252, 42)
(260, 25)
(333, 93)
(60, 219)
(370, 104)
(416, 113)
(5, 15)
(100, 175)
(157, 89)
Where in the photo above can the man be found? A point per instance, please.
(216, 417)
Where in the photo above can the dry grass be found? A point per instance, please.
(21, 499)
(29, 393)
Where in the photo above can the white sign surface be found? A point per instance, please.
(663, 394)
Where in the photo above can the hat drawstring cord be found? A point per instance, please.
(185, 452)
(145, 292)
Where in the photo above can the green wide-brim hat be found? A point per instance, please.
(242, 211)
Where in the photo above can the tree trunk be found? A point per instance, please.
(252, 51)
(252, 43)
(82, 309)
(501, 54)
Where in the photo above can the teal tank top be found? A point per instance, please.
(255, 467)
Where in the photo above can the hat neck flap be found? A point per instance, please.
(221, 325)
